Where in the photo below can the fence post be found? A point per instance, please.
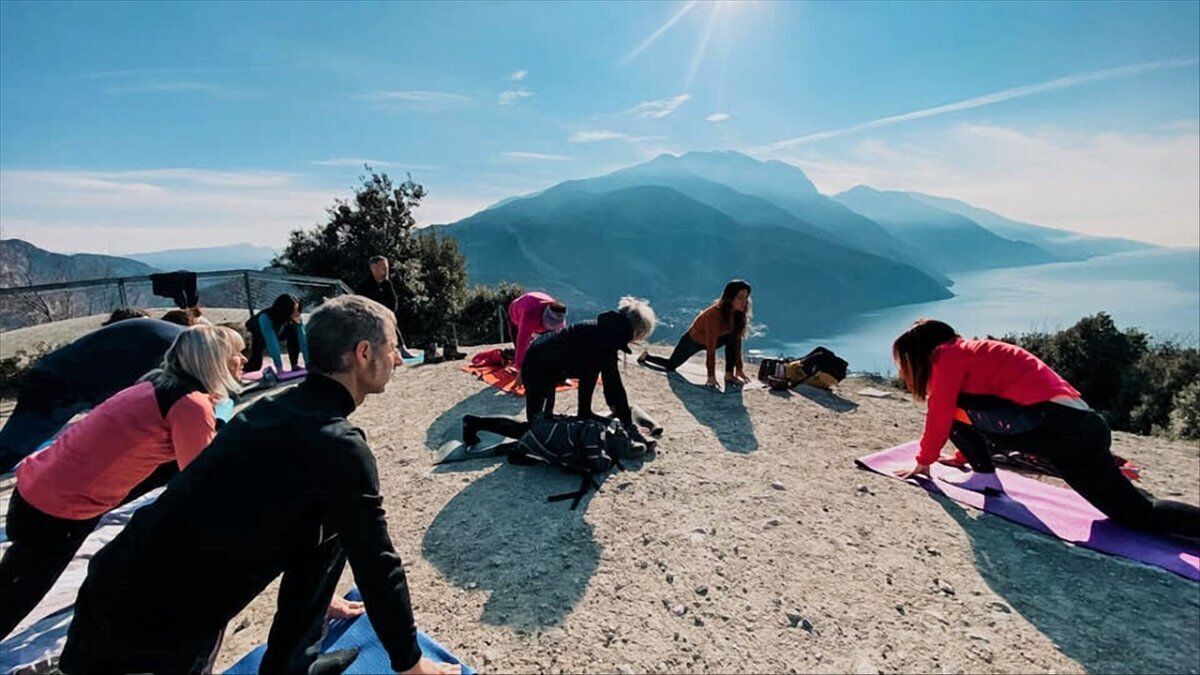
(121, 293)
(500, 323)
(249, 299)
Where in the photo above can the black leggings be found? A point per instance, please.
(686, 348)
(40, 548)
(1076, 442)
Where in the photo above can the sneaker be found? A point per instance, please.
(975, 481)
(469, 433)
(431, 356)
(452, 354)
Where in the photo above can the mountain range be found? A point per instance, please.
(675, 228)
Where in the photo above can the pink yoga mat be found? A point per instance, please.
(1054, 510)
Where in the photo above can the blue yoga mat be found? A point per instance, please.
(359, 633)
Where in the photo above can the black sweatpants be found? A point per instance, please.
(686, 348)
(1076, 442)
(40, 548)
(300, 623)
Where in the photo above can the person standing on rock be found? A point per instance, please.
(378, 286)
(986, 393)
(288, 487)
(586, 350)
(724, 323)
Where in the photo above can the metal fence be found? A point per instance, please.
(232, 289)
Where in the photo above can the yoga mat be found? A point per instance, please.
(357, 632)
(41, 635)
(1050, 509)
(503, 380)
(282, 377)
(697, 374)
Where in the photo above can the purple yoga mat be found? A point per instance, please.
(283, 377)
(1053, 510)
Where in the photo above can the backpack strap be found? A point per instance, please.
(577, 496)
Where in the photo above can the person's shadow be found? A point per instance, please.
(488, 401)
(1108, 614)
(723, 412)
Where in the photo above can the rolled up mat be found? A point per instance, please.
(503, 380)
(360, 634)
(1056, 511)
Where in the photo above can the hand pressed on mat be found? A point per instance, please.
(341, 608)
(918, 470)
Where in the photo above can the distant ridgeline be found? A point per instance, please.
(674, 229)
(23, 264)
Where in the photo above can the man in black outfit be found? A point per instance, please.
(378, 286)
(80, 376)
(288, 487)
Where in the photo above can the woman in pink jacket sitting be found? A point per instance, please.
(532, 314)
(166, 418)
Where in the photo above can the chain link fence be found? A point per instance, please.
(227, 294)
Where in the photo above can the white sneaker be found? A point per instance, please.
(976, 482)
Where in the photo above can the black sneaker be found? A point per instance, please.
(431, 356)
(452, 354)
(469, 433)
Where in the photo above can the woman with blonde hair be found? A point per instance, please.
(62, 491)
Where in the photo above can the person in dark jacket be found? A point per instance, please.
(288, 487)
(378, 286)
(586, 351)
(280, 322)
(78, 377)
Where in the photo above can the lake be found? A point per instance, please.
(1157, 291)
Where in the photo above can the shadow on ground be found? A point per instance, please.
(1106, 613)
(488, 401)
(723, 412)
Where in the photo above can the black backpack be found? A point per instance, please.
(584, 446)
(819, 368)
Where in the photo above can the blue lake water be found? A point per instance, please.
(1157, 291)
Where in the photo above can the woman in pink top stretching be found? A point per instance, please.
(532, 314)
(985, 394)
(91, 468)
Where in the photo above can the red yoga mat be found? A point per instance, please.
(504, 380)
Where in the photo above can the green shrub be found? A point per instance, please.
(1138, 385)
(477, 323)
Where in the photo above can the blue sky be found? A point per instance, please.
(128, 127)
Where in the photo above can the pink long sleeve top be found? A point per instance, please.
(526, 314)
(94, 464)
(986, 367)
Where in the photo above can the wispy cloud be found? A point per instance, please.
(512, 96)
(175, 71)
(416, 96)
(679, 14)
(595, 136)
(359, 162)
(717, 117)
(518, 75)
(147, 209)
(990, 99)
(660, 108)
(177, 86)
(543, 156)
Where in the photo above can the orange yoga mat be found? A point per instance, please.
(504, 380)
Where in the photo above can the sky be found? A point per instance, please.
(130, 127)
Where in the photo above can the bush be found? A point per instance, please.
(428, 270)
(1185, 418)
(1137, 384)
(477, 321)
